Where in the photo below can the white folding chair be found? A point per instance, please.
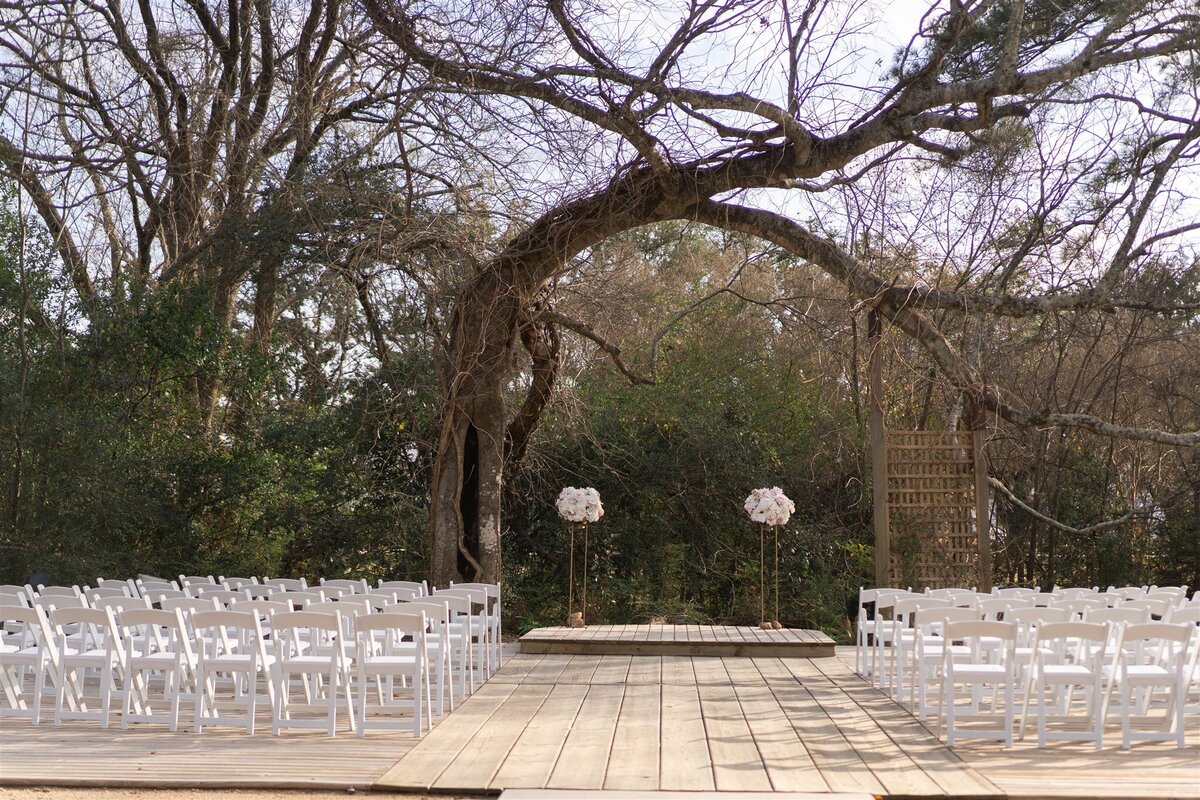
(990, 661)
(903, 637)
(1150, 656)
(493, 615)
(1066, 656)
(309, 644)
(88, 641)
(231, 645)
(929, 651)
(31, 650)
(477, 624)
(451, 649)
(157, 649)
(389, 646)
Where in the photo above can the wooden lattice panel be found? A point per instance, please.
(931, 508)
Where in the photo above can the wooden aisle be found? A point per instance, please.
(678, 723)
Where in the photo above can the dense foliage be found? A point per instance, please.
(322, 470)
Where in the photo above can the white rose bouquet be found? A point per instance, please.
(579, 505)
(769, 506)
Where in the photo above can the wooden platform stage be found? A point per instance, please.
(622, 723)
(677, 640)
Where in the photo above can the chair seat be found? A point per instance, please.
(1066, 671)
(979, 670)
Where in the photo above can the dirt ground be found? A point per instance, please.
(51, 793)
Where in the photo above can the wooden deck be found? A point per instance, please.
(677, 640)
(621, 723)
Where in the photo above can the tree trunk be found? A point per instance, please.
(468, 467)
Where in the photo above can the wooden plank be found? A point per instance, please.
(736, 764)
(584, 755)
(477, 762)
(892, 767)
(788, 764)
(532, 759)
(424, 764)
(633, 761)
(612, 669)
(686, 764)
(840, 764)
(645, 670)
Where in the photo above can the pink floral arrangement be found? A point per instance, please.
(769, 506)
(579, 505)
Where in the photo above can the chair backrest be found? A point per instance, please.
(382, 600)
(991, 609)
(381, 634)
(286, 584)
(298, 599)
(934, 618)
(300, 633)
(48, 601)
(1188, 613)
(1160, 644)
(344, 608)
(420, 587)
(905, 606)
(263, 608)
(1015, 591)
(1042, 598)
(222, 633)
(980, 629)
(114, 590)
(359, 602)
(478, 597)
(1083, 642)
(235, 583)
(148, 631)
(1158, 608)
(159, 595)
(190, 605)
(96, 628)
(59, 591)
(224, 596)
(8, 598)
(397, 594)
(437, 613)
(1078, 607)
(1129, 592)
(145, 587)
(357, 587)
(119, 604)
(492, 590)
(330, 591)
(1127, 615)
(1177, 592)
(259, 592)
(32, 626)
(197, 580)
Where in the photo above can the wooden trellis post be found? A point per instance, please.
(878, 436)
(929, 494)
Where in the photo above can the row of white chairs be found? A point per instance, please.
(904, 648)
(57, 643)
